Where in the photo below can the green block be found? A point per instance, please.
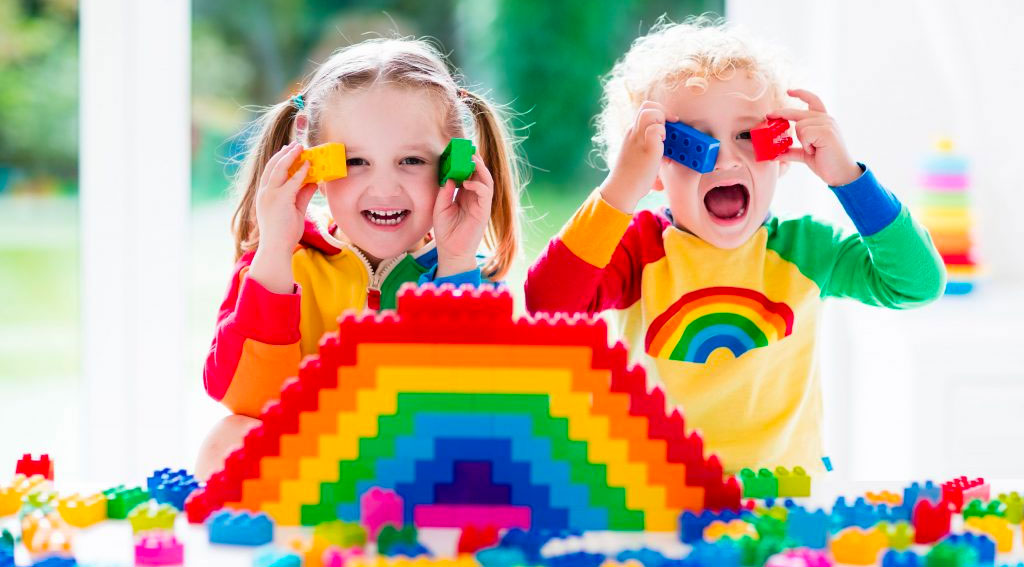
(755, 552)
(795, 484)
(152, 517)
(121, 501)
(390, 536)
(763, 484)
(456, 161)
(6, 540)
(342, 534)
(900, 534)
(948, 555)
(978, 509)
(1014, 507)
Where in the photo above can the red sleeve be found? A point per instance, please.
(256, 345)
(596, 262)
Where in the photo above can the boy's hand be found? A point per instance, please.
(822, 148)
(636, 168)
(460, 219)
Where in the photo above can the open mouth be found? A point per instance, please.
(727, 202)
(385, 217)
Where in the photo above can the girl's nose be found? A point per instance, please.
(385, 183)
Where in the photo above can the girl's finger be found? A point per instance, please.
(481, 173)
(445, 196)
(265, 174)
(654, 135)
(295, 182)
(279, 175)
(813, 101)
(305, 195)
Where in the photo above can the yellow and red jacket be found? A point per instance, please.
(262, 336)
(730, 334)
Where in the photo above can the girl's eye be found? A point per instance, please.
(356, 161)
(413, 161)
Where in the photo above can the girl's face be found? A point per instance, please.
(727, 205)
(393, 139)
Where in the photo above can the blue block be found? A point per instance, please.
(576, 559)
(276, 558)
(809, 529)
(893, 558)
(645, 556)
(241, 529)
(500, 557)
(983, 545)
(690, 147)
(172, 487)
(691, 526)
(6, 557)
(52, 561)
(407, 550)
(722, 553)
(528, 543)
(860, 514)
(916, 491)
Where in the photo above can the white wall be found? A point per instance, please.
(930, 392)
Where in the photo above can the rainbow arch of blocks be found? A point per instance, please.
(473, 417)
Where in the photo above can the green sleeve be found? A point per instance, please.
(896, 267)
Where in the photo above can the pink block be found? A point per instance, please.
(335, 556)
(800, 557)
(461, 516)
(159, 548)
(379, 506)
(942, 182)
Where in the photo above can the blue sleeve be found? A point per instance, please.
(871, 207)
(471, 277)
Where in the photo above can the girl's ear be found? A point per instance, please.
(301, 125)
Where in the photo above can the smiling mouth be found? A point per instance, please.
(727, 202)
(385, 217)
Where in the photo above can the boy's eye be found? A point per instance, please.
(744, 135)
(412, 160)
(356, 161)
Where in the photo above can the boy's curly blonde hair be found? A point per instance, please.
(690, 53)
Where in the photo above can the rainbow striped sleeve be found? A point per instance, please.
(256, 346)
(595, 263)
(893, 263)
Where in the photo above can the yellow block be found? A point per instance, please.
(327, 162)
(996, 528)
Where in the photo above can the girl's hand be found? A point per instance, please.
(636, 168)
(281, 202)
(822, 149)
(460, 220)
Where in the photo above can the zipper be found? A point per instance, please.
(376, 277)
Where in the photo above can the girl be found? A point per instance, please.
(395, 105)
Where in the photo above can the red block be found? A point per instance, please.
(770, 139)
(473, 539)
(43, 466)
(963, 489)
(931, 521)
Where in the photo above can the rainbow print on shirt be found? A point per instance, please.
(705, 320)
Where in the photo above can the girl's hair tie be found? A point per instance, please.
(298, 102)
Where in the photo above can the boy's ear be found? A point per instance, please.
(658, 185)
(783, 168)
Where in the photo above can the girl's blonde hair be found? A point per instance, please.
(690, 54)
(405, 63)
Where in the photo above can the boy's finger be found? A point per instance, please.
(813, 101)
(792, 114)
(794, 153)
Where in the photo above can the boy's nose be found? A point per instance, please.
(728, 156)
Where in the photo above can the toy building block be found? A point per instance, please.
(42, 500)
(800, 557)
(860, 514)
(900, 534)
(690, 147)
(241, 529)
(345, 535)
(724, 553)
(11, 497)
(327, 162)
(335, 556)
(809, 529)
(828, 463)
(983, 547)
(407, 550)
(55, 561)
(996, 528)
(735, 529)
(171, 487)
(473, 539)
(159, 548)
(762, 484)
(501, 557)
(916, 491)
(931, 521)
(883, 497)
(692, 526)
(978, 509)
(858, 547)
(456, 161)
(770, 139)
(29, 466)
(897, 558)
(947, 554)
(378, 507)
(757, 551)
(272, 557)
(152, 517)
(83, 511)
(1014, 507)
(45, 533)
(960, 490)
(793, 484)
(390, 536)
(121, 501)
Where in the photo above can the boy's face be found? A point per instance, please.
(727, 205)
